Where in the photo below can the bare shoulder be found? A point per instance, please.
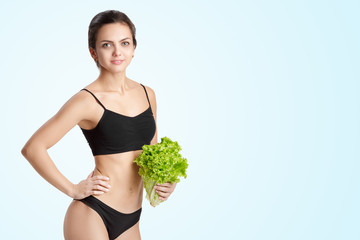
(150, 91)
(79, 103)
(79, 99)
(152, 98)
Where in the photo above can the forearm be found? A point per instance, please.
(39, 158)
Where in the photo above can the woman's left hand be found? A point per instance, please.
(164, 190)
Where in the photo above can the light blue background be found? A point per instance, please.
(263, 97)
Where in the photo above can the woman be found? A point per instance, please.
(110, 112)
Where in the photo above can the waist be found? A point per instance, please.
(126, 190)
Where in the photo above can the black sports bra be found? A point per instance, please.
(117, 133)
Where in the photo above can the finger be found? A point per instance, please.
(95, 192)
(102, 183)
(163, 189)
(164, 185)
(90, 175)
(98, 187)
(163, 194)
(100, 177)
(162, 198)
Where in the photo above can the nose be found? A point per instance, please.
(117, 51)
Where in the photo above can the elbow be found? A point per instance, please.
(25, 151)
(32, 149)
(28, 150)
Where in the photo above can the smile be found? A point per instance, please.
(117, 62)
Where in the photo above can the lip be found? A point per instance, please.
(117, 62)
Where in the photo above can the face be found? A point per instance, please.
(114, 47)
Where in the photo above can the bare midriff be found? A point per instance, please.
(125, 194)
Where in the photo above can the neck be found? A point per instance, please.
(117, 82)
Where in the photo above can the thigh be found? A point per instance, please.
(132, 233)
(82, 222)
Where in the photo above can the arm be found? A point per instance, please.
(152, 99)
(163, 190)
(35, 150)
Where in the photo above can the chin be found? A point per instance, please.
(115, 69)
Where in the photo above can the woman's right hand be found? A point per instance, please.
(92, 185)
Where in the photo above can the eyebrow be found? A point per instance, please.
(112, 41)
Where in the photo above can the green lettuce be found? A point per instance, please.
(160, 163)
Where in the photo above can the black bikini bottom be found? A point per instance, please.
(116, 222)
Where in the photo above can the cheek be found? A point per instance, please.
(128, 53)
(102, 55)
(108, 54)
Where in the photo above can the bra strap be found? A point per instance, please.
(146, 94)
(94, 97)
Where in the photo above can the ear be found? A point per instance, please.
(92, 53)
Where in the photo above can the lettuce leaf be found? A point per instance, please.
(160, 163)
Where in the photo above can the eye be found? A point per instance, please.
(127, 43)
(105, 44)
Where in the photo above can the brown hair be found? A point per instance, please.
(105, 17)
